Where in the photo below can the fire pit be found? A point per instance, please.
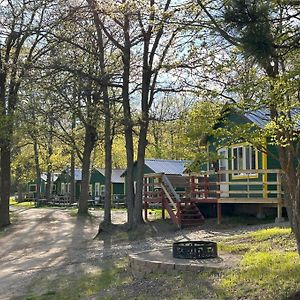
(195, 250)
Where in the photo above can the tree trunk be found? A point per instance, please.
(72, 166)
(49, 157)
(89, 142)
(108, 159)
(49, 184)
(37, 169)
(138, 209)
(72, 178)
(5, 157)
(19, 183)
(292, 191)
(129, 183)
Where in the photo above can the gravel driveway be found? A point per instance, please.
(46, 242)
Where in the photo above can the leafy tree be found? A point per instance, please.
(24, 25)
(266, 34)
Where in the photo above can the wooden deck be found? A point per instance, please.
(222, 187)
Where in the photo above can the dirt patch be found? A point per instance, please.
(49, 245)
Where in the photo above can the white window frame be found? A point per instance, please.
(102, 189)
(241, 163)
(63, 188)
(97, 189)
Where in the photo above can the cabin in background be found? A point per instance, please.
(63, 183)
(97, 185)
(31, 186)
(249, 179)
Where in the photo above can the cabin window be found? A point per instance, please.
(62, 188)
(90, 189)
(102, 190)
(97, 189)
(68, 187)
(32, 188)
(244, 158)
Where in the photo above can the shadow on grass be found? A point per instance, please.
(109, 274)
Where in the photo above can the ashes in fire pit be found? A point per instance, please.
(195, 250)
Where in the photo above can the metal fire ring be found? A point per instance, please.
(195, 250)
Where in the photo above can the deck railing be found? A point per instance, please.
(226, 186)
(253, 186)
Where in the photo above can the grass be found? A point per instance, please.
(27, 204)
(108, 274)
(269, 268)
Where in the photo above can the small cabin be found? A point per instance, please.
(31, 187)
(158, 166)
(249, 179)
(240, 179)
(97, 184)
(63, 183)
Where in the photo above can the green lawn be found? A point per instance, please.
(28, 204)
(269, 268)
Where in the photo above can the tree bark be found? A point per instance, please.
(5, 184)
(48, 184)
(72, 167)
(108, 160)
(129, 182)
(72, 178)
(107, 120)
(37, 169)
(19, 183)
(89, 143)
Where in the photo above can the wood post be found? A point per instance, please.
(193, 187)
(205, 186)
(146, 210)
(219, 213)
(163, 208)
(178, 214)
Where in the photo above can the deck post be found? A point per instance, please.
(163, 208)
(279, 197)
(206, 186)
(193, 187)
(178, 206)
(219, 213)
(146, 210)
(279, 218)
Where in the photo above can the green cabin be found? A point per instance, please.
(31, 187)
(97, 183)
(249, 179)
(63, 183)
(158, 166)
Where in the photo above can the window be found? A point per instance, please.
(90, 189)
(32, 188)
(244, 158)
(102, 190)
(63, 188)
(97, 189)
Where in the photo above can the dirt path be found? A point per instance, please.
(47, 242)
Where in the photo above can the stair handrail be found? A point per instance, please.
(166, 181)
(168, 196)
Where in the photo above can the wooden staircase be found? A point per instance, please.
(191, 214)
(182, 213)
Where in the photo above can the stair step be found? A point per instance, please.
(192, 222)
(192, 215)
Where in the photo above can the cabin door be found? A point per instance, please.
(223, 166)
